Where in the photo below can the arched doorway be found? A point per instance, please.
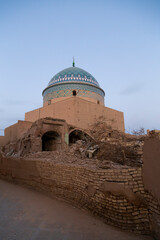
(77, 134)
(51, 141)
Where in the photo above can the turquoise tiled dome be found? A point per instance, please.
(73, 74)
(73, 81)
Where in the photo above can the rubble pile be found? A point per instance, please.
(102, 144)
(76, 154)
(108, 148)
(154, 134)
(116, 146)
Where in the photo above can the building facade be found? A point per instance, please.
(72, 95)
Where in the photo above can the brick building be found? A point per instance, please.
(73, 95)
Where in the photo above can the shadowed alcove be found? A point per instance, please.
(77, 134)
(51, 141)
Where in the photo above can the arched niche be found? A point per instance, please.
(51, 141)
(78, 134)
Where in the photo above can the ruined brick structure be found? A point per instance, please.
(73, 95)
(75, 148)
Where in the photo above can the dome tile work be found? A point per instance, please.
(73, 86)
(73, 81)
(73, 74)
(68, 93)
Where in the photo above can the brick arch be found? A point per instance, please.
(79, 134)
(51, 141)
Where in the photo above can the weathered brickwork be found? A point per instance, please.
(118, 203)
(117, 195)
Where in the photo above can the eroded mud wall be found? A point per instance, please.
(151, 178)
(116, 195)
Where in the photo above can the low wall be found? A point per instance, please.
(151, 179)
(117, 195)
(2, 138)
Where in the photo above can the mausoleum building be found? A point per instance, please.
(74, 96)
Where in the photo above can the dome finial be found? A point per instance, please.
(73, 64)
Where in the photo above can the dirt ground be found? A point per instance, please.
(29, 215)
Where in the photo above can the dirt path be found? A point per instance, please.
(29, 215)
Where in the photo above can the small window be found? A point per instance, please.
(74, 93)
(49, 102)
(98, 102)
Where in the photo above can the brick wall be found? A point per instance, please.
(151, 178)
(78, 112)
(116, 195)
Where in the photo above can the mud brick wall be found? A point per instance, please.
(151, 178)
(154, 213)
(116, 195)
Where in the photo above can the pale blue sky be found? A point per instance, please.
(117, 41)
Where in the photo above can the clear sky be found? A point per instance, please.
(117, 41)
